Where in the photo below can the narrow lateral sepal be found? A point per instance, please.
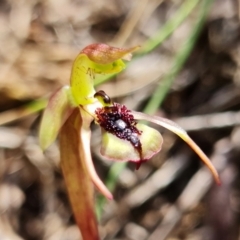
(55, 114)
(172, 126)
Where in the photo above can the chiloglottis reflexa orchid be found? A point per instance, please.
(71, 110)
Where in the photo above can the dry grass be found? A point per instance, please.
(170, 197)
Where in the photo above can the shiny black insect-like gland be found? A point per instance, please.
(118, 120)
(104, 96)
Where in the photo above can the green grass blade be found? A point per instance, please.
(179, 61)
(169, 27)
(172, 24)
(111, 181)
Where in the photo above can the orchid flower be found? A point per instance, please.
(71, 110)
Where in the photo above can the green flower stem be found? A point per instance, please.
(166, 83)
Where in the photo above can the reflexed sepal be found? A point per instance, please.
(117, 149)
(172, 126)
(57, 111)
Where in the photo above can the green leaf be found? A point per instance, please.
(57, 111)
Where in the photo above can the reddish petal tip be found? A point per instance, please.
(103, 54)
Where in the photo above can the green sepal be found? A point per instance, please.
(92, 60)
(59, 108)
(172, 126)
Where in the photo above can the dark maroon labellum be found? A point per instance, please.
(118, 120)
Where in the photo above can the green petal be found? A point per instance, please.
(57, 111)
(118, 149)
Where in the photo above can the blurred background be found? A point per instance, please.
(188, 70)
